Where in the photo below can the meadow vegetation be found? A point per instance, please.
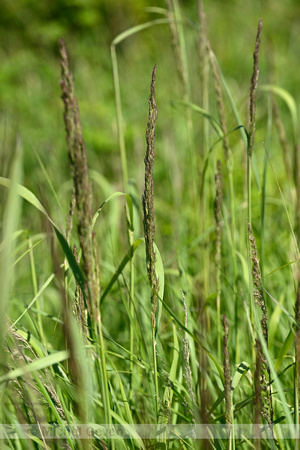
(150, 225)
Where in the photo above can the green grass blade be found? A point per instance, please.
(35, 298)
(137, 29)
(111, 197)
(285, 348)
(38, 364)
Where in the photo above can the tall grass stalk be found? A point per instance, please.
(251, 139)
(83, 195)
(82, 184)
(149, 223)
(122, 147)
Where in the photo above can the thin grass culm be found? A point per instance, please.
(218, 254)
(82, 185)
(149, 221)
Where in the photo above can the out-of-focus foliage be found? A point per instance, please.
(29, 73)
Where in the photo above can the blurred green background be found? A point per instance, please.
(30, 103)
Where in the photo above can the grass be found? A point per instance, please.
(175, 307)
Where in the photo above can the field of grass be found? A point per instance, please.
(150, 225)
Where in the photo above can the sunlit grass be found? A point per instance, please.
(193, 325)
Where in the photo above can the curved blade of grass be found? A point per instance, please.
(215, 124)
(137, 29)
(281, 267)
(27, 195)
(111, 197)
(37, 364)
(78, 275)
(156, 10)
(48, 179)
(288, 99)
(28, 250)
(35, 298)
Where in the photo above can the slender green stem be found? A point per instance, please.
(249, 265)
(125, 182)
(234, 263)
(119, 115)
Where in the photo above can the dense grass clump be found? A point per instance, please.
(156, 305)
